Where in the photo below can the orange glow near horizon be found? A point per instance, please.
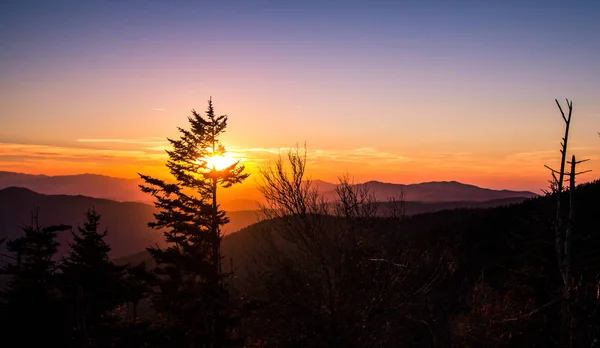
(506, 169)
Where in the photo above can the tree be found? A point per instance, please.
(564, 232)
(135, 330)
(336, 273)
(91, 283)
(30, 305)
(192, 296)
(137, 282)
(3, 255)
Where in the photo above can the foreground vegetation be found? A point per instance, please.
(314, 273)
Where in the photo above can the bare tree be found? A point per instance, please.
(333, 272)
(564, 232)
(556, 187)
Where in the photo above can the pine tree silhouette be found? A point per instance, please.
(30, 308)
(91, 283)
(193, 299)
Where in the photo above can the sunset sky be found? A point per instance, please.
(397, 91)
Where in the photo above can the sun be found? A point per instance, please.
(220, 162)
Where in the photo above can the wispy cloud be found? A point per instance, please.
(65, 153)
(358, 155)
(534, 156)
(147, 141)
(258, 149)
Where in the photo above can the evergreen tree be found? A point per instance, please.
(137, 283)
(193, 299)
(30, 304)
(91, 283)
(3, 256)
(135, 331)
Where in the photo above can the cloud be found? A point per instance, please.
(160, 148)
(33, 152)
(148, 141)
(535, 156)
(258, 149)
(358, 155)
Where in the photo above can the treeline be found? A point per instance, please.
(314, 273)
(72, 301)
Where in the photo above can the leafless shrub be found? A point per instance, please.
(333, 273)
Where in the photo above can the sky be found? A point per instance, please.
(396, 91)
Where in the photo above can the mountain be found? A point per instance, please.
(241, 245)
(247, 197)
(324, 186)
(412, 208)
(424, 218)
(126, 221)
(116, 189)
(499, 265)
(92, 185)
(437, 191)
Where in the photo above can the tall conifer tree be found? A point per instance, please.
(91, 283)
(30, 308)
(193, 299)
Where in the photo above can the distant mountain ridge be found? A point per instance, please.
(99, 186)
(126, 221)
(91, 185)
(440, 191)
(127, 190)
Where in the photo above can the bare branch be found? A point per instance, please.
(529, 314)
(579, 173)
(581, 161)
(388, 261)
(8, 256)
(561, 110)
(553, 170)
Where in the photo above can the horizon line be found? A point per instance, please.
(312, 180)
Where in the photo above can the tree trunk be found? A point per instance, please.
(567, 254)
(216, 259)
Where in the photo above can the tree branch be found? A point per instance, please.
(580, 161)
(578, 173)
(529, 314)
(388, 261)
(561, 110)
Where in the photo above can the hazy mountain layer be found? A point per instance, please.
(126, 221)
(246, 198)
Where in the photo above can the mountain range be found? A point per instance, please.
(434, 191)
(127, 190)
(127, 221)
(92, 185)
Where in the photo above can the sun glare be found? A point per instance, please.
(220, 162)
